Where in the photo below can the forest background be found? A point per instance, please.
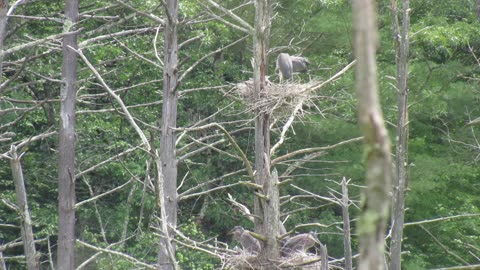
(122, 42)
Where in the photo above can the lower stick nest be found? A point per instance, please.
(299, 260)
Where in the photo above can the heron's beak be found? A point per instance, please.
(315, 238)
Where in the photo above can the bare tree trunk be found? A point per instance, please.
(477, 9)
(66, 146)
(401, 157)
(324, 257)
(267, 207)
(2, 262)
(167, 140)
(271, 216)
(127, 215)
(3, 30)
(25, 220)
(347, 243)
(375, 203)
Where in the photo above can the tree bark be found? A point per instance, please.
(375, 202)
(271, 215)
(2, 262)
(3, 30)
(401, 157)
(268, 207)
(324, 257)
(477, 9)
(167, 140)
(25, 219)
(347, 243)
(66, 146)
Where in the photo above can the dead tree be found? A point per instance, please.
(347, 242)
(401, 148)
(3, 28)
(266, 206)
(375, 204)
(23, 210)
(66, 145)
(477, 9)
(166, 254)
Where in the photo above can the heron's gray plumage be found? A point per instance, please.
(299, 64)
(298, 243)
(287, 64)
(248, 242)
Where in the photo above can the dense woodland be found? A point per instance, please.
(121, 50)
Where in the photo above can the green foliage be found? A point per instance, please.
(190, 258)
(443, 152)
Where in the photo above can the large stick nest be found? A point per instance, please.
(279, 99)
(247, 261)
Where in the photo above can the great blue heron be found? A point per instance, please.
(287, 64)
(248, 242)
(298, 243)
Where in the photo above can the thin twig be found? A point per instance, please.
(439, 219)
(129, 117)
(118, 253)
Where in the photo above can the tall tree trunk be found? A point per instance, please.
(66, 146)
(375, 202)
(3, 30)
(25, 220)
(477, 9)
(267, 209)
(167, 140)
(401, 157)
(347, 243)
(2, 262)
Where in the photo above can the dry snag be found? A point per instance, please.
(375, 203)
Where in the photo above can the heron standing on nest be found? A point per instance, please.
(299, 243)
(287, 65)
(248, 242)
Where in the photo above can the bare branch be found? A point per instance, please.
(466, 267)
(186, 72)
(318, 196)
(77, 205)
(314, 149)
(118, 253)
(443, 246)
(137, 54)
(232, 141)
(34, 43)
(439, 219)
(233, 16)
(331, 79)
(117, 98)
(285, 127)
(87, 42)
(13, 7)
(243, 209)
(119, 155)
(201, 149)
(219, 18)
(292, 167)
(143, 13)
(221, 178)
(209, 191)
(94, 256)
(190, 40)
